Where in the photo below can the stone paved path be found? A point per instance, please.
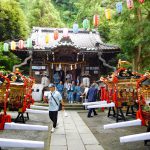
(73, 134)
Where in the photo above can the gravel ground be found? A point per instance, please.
(109, 138)
(35, 119)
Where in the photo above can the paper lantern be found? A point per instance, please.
(141, 1)
(75, 28)
(6, 47)
(96, 20)
(108, 14)
(86, 24)
(59, 66)
(29, 43)
(130, 4)
(13, 45)
(56, 34)
(47, 38)
(71, 67)
(119, 7)
(21, 44)
(52, 66)
(65, 32)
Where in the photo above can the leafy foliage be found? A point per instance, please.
(13, 24)
(43, 14)
(7, 59)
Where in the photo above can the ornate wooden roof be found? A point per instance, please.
(83, 41)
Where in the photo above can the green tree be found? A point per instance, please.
(131, 31)
(44, 14)
(13, 24)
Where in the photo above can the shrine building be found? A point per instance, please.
(79, 54)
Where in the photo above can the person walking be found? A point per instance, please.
(92, 96)
(54, 99)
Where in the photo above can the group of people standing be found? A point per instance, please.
(78, 93)
(70, 91)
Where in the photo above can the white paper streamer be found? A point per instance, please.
(95, 103)
(20, 143)
(39, 107)
(102, 105)
(37, 111)
(123, 124)
(135, 137)
(18, 126)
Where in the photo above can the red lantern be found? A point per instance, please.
(141, 1)
(56, 34)
(21, 44)
(130, 4)
(96, 20)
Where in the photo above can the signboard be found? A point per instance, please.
(38, 67)
(92, 68)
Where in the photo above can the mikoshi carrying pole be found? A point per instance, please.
(39, 107)
(95, 103)
(37, 111)
(20, 143)
(102, 105)
(18, 126)
(135, 137)
(137, 122)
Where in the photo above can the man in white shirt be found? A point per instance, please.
(54, 99)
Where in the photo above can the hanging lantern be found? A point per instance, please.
(75, 66)
(141, 1)
(86, 24)
(83, 58)
(108, 14)
(52, 66)
(71, 67)
(75, 28)
(21, 44)
(59, 66)
(77, 56)
(53, 56)
(47, 38)
(29, 43)
(130, 4)
(6, 47)
(65, 32)
(119, 7)
(96, 20)
(13, 45)
(56, 34)
(47, 57)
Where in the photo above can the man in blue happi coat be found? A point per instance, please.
(92, 96)
(78, 92)
(60, 88)
(71, 91)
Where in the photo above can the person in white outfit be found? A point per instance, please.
(45, 82)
